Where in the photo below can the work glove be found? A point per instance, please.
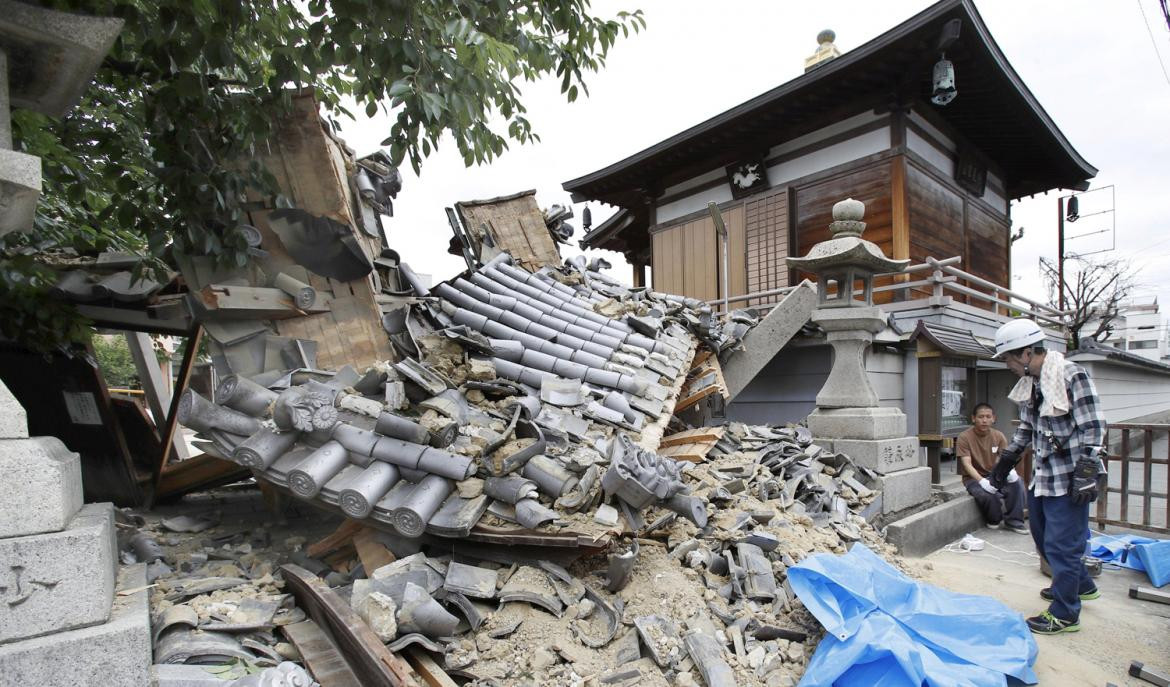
(1084, 480)
(1004, 467)
(986, 484)
(1013, 477)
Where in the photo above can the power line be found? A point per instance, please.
(1152, 40)
(1165, 12)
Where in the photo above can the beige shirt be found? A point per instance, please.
(983, 450)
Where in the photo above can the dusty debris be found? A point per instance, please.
(515, 454)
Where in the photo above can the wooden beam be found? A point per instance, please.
(372, 552)
(321, 655)
(691, 436)
(168, 438)
(900, 211)
(200, 471)
(369, 658)
(426, 667)
(342, 536)
(155, 389)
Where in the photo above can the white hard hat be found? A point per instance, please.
(1017, 334)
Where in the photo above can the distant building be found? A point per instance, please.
(1140, 329)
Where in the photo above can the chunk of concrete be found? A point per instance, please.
(13, 419)
(41, 489)
(905, 489)
(378, 611)
(113, 654)
(930, 529)
(60, 580)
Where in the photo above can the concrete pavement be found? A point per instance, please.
(1115, 629)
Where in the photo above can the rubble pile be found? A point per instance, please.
(514, 394)
(509, 461)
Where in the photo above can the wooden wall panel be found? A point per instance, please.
(684, 257)
(988, 246)
(814, 206)
(813, 203)
(936, 217)
(734, 219)
(766, 233)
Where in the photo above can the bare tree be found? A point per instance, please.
(1094, 292)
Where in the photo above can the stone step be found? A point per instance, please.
(930, 529)
(113, 654)
(58, 580)
(41, 489)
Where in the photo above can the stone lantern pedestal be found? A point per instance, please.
(62, 621)
(848, 418)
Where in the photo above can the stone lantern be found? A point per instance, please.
(47, 59)
(848, 418)
(838, 264)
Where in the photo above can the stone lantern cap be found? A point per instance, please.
(52, 56)
(847, 250)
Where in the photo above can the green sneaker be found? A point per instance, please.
(1048, 624)
(1095, 593)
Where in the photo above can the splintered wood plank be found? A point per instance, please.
(696, 397)
(692, 453)
(369, 658)
(426, 667)
(320, 654)
(339, 538)
(372, 552)
(699, 434)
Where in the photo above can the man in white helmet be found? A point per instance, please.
(1060, 418)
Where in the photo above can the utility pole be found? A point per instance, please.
(1060, 251)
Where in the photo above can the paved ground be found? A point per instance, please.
(1115, 629)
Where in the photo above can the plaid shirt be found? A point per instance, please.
(1057, 442)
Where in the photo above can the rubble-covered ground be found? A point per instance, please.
(501, 501)
(684, 581)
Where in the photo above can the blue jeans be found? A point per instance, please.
(1060, 529)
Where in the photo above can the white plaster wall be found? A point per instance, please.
(696, 181)
(856, 121)
(933, 131)
(941, 160)
(839, 153)
(845, 151)
(991, 197)
(1127, 393)
(694, 203)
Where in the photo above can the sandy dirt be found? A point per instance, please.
(1115, 629)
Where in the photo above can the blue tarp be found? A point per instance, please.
(885, 629)
(1144, 554)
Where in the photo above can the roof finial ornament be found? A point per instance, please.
(826, 50)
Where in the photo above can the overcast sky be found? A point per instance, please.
(1092, 66)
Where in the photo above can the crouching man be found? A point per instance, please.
(1060, 418)
(978, 449)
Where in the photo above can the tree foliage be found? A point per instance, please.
(150, 160)
(1094, 293)
(116, 363)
